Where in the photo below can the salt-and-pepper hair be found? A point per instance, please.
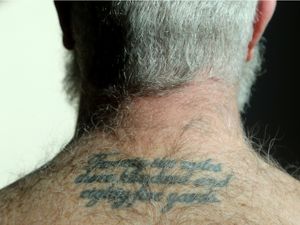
(156, 45)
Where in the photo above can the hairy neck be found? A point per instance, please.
(172, 155)
(203, 114)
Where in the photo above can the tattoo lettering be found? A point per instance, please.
(189, 198)
(120, 197)
(107, 168)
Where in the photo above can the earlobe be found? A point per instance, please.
(64, 14)
(264, 12)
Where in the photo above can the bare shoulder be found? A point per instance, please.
(107, 187)
(12, 198)
(33, 198)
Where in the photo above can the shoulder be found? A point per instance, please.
(19, 199)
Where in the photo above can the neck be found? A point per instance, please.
(181, 151)
(203, 114)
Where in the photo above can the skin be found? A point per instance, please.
(199, 129)
(196, 126)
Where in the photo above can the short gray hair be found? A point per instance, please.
(156, 45)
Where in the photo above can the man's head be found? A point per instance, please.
(133, 47)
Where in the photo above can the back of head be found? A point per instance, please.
(133, 47)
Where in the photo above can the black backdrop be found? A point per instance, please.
(274, 110)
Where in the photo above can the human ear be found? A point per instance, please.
(63, 9)
(264, 12)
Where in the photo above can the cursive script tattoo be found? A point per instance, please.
(115, 174)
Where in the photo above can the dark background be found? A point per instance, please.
(274, 111)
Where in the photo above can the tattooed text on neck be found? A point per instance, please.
(124, 182)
